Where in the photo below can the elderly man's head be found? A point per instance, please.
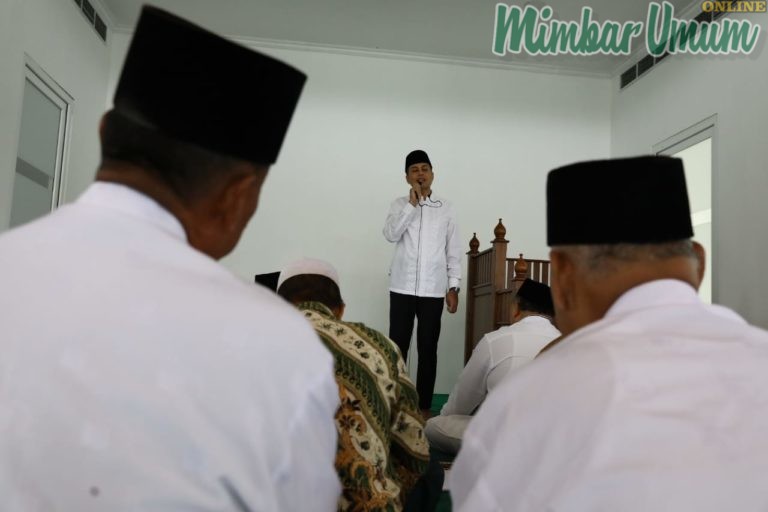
(615, 224)
(196, 124)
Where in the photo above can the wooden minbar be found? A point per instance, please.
(492, 282)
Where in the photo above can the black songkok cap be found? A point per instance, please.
(268, 280)
(538, 294)
(640, 200)
(416, 156)
(194, 86)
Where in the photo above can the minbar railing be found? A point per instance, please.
(492, 282)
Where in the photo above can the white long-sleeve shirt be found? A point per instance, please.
(495, 355)
(427, 259)
(661, 405)
(137, 373)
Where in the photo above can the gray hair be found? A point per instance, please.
(603, 259)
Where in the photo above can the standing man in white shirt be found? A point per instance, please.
(654, 400)
(495, 355)
(136, 372)
(425, 271)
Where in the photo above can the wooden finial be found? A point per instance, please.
(499, 231)
(521, 268)
(474, 244)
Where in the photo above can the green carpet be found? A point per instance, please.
(438, 401)
(444, 505)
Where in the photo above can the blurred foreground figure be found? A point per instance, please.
(134, 373)
(654, 400)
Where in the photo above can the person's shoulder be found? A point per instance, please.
(575, 373)
(502, 333)
(376, 339)
(580, 360)
(243, 313)
(758, 334)
(37, 230)
(726, 315)
(502, 340)
(537, 324)
(369, 333)
(716, 325)
(692, 322)
(270, 333)
(255, 302)
(448, 206)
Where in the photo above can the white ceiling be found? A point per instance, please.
(455, 29)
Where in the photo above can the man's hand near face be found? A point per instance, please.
(414, 194)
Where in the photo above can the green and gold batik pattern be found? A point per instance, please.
(382, 449)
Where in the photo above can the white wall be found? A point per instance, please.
(57, 37)
(492, 135)
(681, 91)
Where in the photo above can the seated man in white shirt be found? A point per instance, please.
(496, 354)
(655, 400)
(144, 375)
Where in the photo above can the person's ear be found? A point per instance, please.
(563, 272)
(515, 311)
(701, 262)
(339, 311)
(102, 122)
(567, 294)
(237, 200)
(221, 216)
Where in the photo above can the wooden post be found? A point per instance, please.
(521, 272)
(469, 293)
(474, 244)
(498, 269)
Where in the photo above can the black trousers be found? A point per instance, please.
(425, 495)
(427, 310)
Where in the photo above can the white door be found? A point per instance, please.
(40, 156)
(694, 147)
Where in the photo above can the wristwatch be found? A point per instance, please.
(454, 289)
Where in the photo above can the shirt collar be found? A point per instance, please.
(128, 201)
(533, 319)
(650, 295)
(659, 293)
(317, 307)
